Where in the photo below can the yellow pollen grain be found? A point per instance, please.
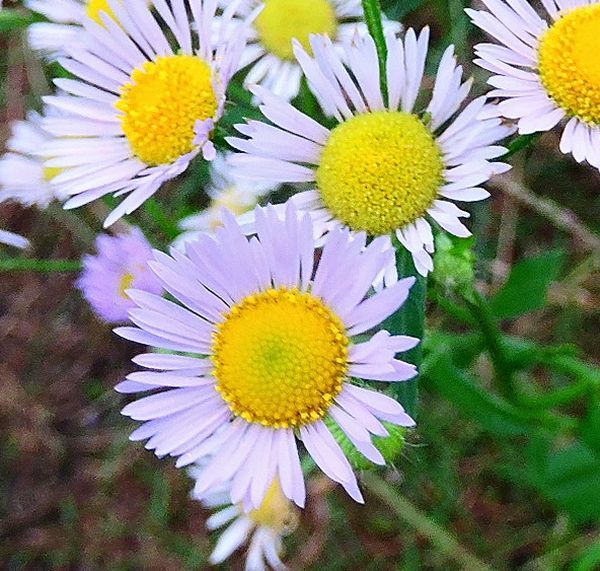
(380, 171)
(281, 358)
(283, 20)
(569, 63)
(125, 284)
(161, 104)
(276, 511)
(95, 7)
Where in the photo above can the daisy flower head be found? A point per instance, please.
(270, 51)
(270, 355)
(141, 107)
(121, 262)
(226, 191)
(23, 176)
(546, 68)
(263, 528)
(385, 169)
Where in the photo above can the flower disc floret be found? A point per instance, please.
(569, 64)
(281, 358)
(162, 103)
(281, 21)
(380, 171)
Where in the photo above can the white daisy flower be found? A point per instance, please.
(262, 528)
(66, 19)
(269, 48)
(546, 70)
(226, 191)
(269, 354)
(23, 176)
(140, 109)
(385, 168)
(12, 239)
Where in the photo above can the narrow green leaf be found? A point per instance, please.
(589, 559)
(527, 285)
(492, 413)
(521, 143)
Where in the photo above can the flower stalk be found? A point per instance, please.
(39, 266)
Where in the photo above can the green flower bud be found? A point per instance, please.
(390, 446)
(454, 262)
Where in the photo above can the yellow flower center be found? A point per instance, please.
(95, 7)
(280, 358)
(380, 171)
(276, 511)
(569, 63)
(283, 20)
(125, 284)
(161, 104)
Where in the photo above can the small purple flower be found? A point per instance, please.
(120, 264)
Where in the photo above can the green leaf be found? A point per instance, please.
(589, 559)
(409, 320)
(569, 477)
(398, 10)
(572, 482)
(15, 19)
(521, 142)
(527, 285)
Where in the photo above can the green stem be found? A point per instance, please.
(409, 320)
(459, 313)
(156, 212)
(441, 539)
(493, 338)
(41, 266)
(572, 366)
(373, 18)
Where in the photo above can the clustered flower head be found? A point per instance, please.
(263, 326)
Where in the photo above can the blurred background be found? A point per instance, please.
(482, 484)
